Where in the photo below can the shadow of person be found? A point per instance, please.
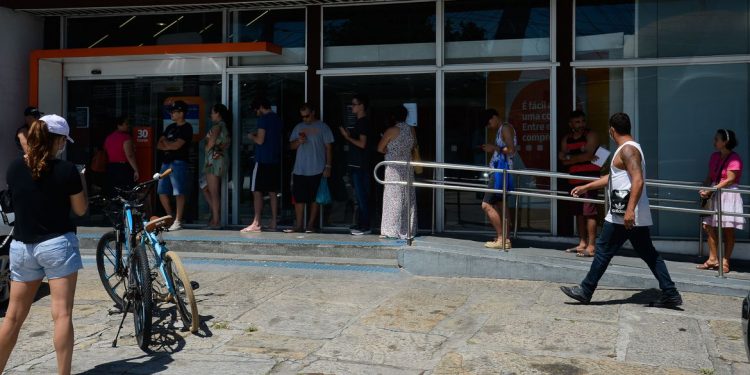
(152, 365)
(645, 297)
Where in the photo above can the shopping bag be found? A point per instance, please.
(502, 163)
(324, 195)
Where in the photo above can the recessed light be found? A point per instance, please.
(160, 24)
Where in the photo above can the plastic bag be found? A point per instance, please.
(324, 195)
(502, 163)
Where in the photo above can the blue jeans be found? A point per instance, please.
(361, 181)
(177, 182)
(611, 239)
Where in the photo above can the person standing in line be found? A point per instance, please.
(577, 150)
(44, 191)
(724, 172)
(397, 144)
(30, 114)
(267, 170)
(175, 147)
(218, 141)
(361, 138)
(628, 217)
(312, 140)
(504, 148)
(122, 169)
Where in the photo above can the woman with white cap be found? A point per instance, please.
(44, 191)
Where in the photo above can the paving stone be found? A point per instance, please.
(415, 310)
(728, 338)
(284, 347)
(334, 367)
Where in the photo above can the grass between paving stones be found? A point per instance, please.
(707, 371)
(220, 325)
(251, 329)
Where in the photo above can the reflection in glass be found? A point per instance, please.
(282, 27)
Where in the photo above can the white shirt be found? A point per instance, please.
(620, 180)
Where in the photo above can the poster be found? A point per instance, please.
(411, 118)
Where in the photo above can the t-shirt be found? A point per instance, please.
(270, 151)
(311, 155)
(113, 146)
(173, 133)
(358, 157)
(42, 206)
(733, 163)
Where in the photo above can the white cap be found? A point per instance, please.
(57, 125)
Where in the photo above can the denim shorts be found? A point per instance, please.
(177, 182)
(55, 258)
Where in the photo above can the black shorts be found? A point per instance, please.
(265, 178)
(305, 188)
(492, 198)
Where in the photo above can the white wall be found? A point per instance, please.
(19, 35)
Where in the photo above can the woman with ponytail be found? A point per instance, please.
(44, 191)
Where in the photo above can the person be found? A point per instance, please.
(312, 140)
(628, 217)
(577, 150)
(397, 144)
(44, 191)
(215, 161)
(30, 114)
(122, 169)
(361, 139)
(267, 169)
(504, 148)
(724, 172)
(175, 147)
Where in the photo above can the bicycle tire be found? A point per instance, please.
(140, 276)
(185, 298)
(4, 278)
(113, 280)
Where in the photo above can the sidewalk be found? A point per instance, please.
(530, 259)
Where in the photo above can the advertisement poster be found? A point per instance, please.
(411, 118)
(195, 116)
(530, 116)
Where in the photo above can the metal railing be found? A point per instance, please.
(549, 194)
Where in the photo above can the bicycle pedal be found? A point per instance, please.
(194, 285)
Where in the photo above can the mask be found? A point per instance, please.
(611, 135)
(60, 152)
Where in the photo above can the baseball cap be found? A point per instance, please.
(32, 111)
(179, 105)
(57, 125)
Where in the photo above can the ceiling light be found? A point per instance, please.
(160, 24)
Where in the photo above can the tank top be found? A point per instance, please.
(113, 146)
(575, 146)
(620, 180)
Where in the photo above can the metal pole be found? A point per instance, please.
(515, 221)
(434, 207)
(409, 178)
(700, 237)
(721, 234)
(505, 208)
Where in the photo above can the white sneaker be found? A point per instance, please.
(175, 226)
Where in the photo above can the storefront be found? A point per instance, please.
(533, 61)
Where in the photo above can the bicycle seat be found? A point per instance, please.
(159, 223)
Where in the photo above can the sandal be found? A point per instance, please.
(584, 254)
(708, 266)
(293, 230)
(575, 249)
(725, 268)
(250, 229)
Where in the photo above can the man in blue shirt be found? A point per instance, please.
(267, 171)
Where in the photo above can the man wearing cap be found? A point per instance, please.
(175, 147)
(30, 115)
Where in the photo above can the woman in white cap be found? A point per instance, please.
(44, 190)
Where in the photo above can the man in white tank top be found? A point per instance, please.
(628, 217)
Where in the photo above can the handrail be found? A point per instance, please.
(550, 194)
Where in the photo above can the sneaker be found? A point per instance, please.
(668, 301)
(361, 231)
(577, 293)
(175, 226)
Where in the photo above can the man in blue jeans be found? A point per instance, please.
(628, 217)
(175, 147)
(361, 141)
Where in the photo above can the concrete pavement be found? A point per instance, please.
(286, 318)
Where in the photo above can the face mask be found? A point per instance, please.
(611, 135)
(60, 152)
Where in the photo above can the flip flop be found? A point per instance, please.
(708, 266)
(293, 230)
(585, 255)
(574, 250)
(250, 229)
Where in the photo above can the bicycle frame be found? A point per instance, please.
(160, 249)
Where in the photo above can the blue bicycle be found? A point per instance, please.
(130, 257)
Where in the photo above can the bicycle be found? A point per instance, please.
(122, 260)
(5, 255)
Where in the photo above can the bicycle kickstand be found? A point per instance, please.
(122, 321)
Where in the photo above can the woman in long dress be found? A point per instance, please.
(397, 144)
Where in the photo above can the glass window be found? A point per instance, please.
(144, 30)
(282, 27)
(496, 31)
(662, 103)
(379, 35)
(658, 28)
(385, 93)
(522, 99)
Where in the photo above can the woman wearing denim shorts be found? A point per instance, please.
(44, 191)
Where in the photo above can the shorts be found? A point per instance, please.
(305, 188)
(176, 182)
(265, 178)
(492, 198)
(55, 258)
(585, 208)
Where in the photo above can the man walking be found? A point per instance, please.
(175, 146)
(577, 150)
(267, 170)
(361, 140)
(628, 217)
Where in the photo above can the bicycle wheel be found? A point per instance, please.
(140, 279)
(111, 268)
(184, 298)
(4, 278)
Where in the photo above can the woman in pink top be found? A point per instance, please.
(122, 170)
(725, 170)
